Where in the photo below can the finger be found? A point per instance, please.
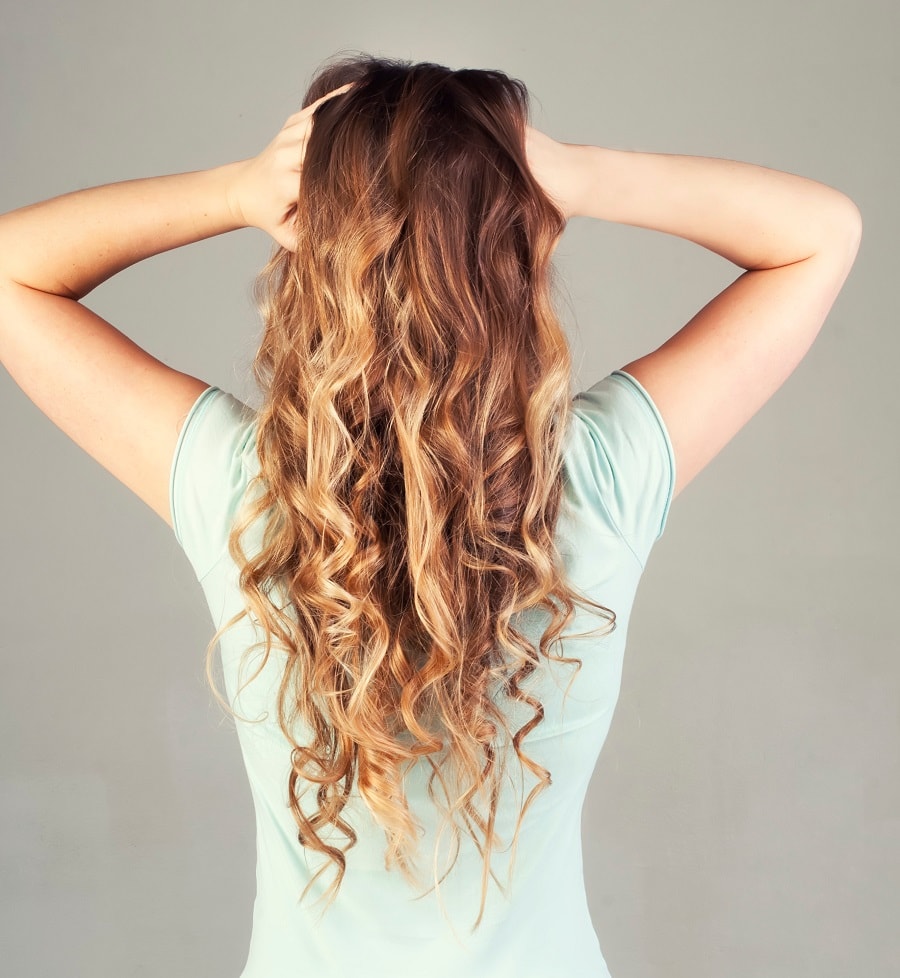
(309, 109)
(331, 94)
(286, 232)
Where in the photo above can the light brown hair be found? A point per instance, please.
(416, 396)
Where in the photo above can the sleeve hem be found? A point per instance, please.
(192, 416)
(644, 396)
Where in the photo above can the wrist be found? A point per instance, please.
(564, 171)
(586, 165)
(232, 178)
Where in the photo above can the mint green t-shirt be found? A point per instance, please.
(618, 478)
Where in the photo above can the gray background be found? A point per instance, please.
(743, 818)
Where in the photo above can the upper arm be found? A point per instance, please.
(715, 373)
(124, 407)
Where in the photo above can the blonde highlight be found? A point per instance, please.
(416, 403)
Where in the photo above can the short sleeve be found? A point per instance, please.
(209, 475)
(631, 458)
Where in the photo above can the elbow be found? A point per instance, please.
(848, 218)
(842, 230)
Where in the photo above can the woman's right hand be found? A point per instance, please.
(557, 168)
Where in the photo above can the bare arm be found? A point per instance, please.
(754, 216)
(796, 238)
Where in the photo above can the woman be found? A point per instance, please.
(421, 553)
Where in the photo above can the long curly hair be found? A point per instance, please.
(416, 396)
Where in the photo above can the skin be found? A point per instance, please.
(264, 193)
(796, 238)
(113, 398)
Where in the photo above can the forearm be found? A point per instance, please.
(69, 244)
(754, 216)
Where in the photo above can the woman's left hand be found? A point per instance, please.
(265, 189)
